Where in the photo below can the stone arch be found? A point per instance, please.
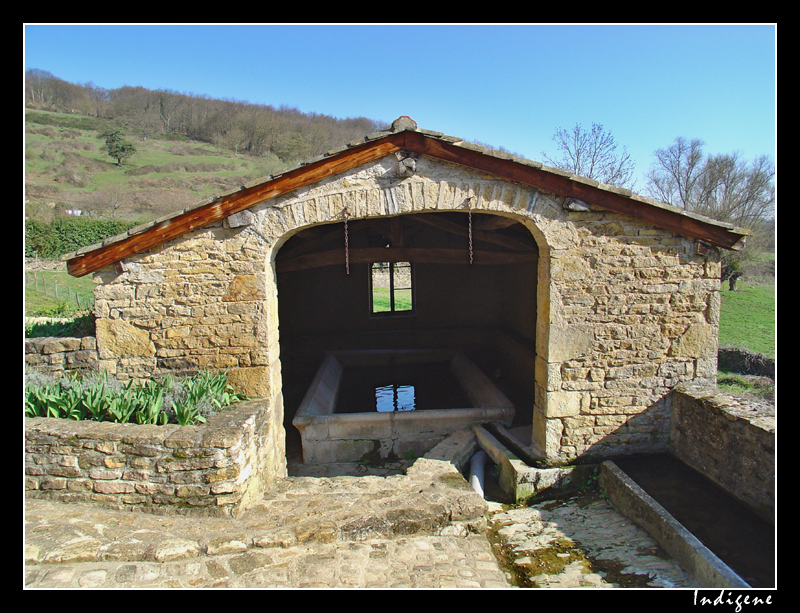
(376, 193)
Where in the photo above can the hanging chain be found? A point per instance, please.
(346, 215)
(469, 206)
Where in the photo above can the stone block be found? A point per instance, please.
(699, 341)
(358, 425)
(567, 342)
(117, 338)
(564, 404)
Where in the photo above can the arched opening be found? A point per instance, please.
(419, 281)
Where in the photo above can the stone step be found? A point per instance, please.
(430, 498)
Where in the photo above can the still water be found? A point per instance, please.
(410, 387)
(739, 537)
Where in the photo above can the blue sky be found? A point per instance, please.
(506, 86)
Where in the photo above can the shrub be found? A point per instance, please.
(82, 325)
(100, 398)
(68, 234)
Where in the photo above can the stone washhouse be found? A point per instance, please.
(581, 303)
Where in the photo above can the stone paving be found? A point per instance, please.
(423, 529)
(418, 562)
(426, 529)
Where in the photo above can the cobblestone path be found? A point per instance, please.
(427, 530)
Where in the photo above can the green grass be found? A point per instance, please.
(747, 318)
(41, 303)
(761, 388)
(382, 304)
(71, 326)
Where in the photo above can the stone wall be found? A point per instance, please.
(730, 441)
(625, 311)
(215, 469)
(59, 355)
(633, 311)
(200, 304)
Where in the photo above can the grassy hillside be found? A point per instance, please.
(66, 165)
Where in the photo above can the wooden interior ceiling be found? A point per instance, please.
(441, 238)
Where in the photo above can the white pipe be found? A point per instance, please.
(476, 471)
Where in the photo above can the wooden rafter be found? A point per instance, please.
(481, 235)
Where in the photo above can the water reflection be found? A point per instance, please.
(394, 398)
(407, 387)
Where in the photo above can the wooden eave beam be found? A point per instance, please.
(415, 142)
(530, 175)
(221, 208)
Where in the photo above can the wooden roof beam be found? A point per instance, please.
(198, 217)
(417, 255)
(482, 235)
(140, 240)
(514, 170)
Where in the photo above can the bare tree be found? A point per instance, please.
(734, 191)
(37, 85)
(169, 104)
(138, 108)
(99, 97)
(117, 199)
(592, 154)
(677, 169)
(722, 187)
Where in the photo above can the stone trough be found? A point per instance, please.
(331, 436)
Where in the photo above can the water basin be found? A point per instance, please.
(379, 405)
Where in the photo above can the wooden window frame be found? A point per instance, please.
(393, 310)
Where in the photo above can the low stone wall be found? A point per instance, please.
(56, 356)
(216, 469)
(730, 441)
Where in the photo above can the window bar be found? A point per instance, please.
(391, 285)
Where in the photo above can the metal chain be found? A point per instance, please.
(346, 215)
(469, 205)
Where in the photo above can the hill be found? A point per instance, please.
(67, 169)
(188, 148)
